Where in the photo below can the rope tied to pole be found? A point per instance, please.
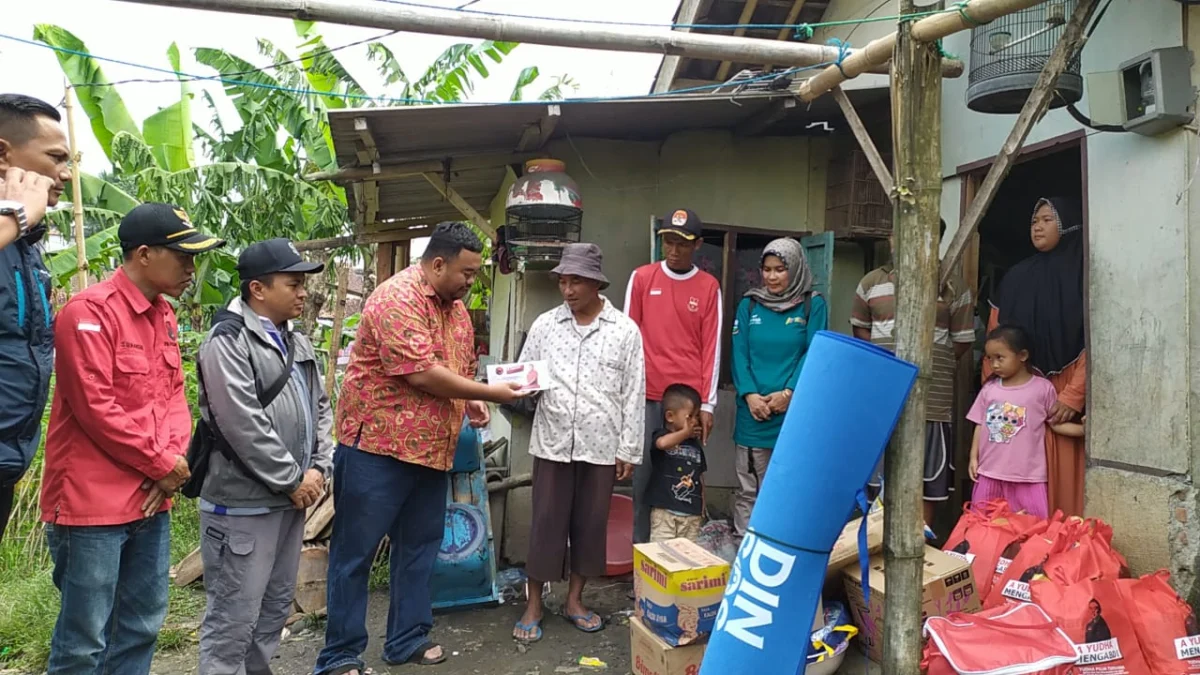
(803, 32)
(843, 51)
(966, 17)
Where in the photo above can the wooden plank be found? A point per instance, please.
(385, 265)
(189, 569)
(747, 14)
(461, 204)
(689, 12)
(412, 168)
(1033, 110)
(767, 117)
(365, 238)
(865, 142)
(320, 517)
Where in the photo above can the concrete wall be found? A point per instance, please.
(764, 183)
(1142, 419)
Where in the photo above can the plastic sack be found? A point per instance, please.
(716, 537)
(1012, 640)
(1097, 618)
(833, 637)
(1166, 627)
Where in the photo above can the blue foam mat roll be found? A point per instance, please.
(843, 411)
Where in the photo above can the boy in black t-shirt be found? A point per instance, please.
(676, 490)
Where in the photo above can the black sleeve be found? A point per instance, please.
(655, 453)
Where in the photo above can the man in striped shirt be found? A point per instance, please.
(874, 318)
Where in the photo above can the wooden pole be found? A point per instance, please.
(916, 134)
(1033, 110)
(929, 29)
(81, 261)
(530, 31)
(335, 336)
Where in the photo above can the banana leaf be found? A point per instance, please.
(168, 132)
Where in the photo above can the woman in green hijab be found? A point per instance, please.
(774, 326)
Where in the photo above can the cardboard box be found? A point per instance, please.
(679, 587)
(949, 587)
(531, 375)
(650, 655)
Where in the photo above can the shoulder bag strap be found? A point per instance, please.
(265, 398)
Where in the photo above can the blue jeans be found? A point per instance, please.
(113, 581)
(373, 496)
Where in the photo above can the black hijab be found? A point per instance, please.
(1044, 293)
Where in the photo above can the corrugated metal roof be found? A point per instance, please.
(473, 141)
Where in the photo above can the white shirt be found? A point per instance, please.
(595, 407)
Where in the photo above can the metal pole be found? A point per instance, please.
(916, 134)
(76, 193)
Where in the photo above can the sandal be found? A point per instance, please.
(418, 657)
(580, 621)
(534, 628)
(349, 668)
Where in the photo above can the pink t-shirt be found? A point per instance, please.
(1012, 441)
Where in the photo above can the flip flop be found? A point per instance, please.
(577, 618)
(534, 628)
(418, 656)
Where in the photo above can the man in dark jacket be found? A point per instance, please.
(280, 445)
(34, 159)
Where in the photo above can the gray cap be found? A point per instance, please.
(582, 260)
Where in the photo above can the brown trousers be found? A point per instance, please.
(569, 532)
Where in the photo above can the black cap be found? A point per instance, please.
(273, 256)
(684, 223)
(153, 224)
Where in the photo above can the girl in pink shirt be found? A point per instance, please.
(1008, 452)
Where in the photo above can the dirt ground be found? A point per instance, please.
(480, 642)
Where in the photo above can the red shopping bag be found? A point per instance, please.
(1013, 640)
(1029, 565)
(982, 545)
(1097, 618)
(1026, 526)
(1091, 557)
(1166, 628)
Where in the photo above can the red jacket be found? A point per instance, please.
(119, 414)
(680, 318)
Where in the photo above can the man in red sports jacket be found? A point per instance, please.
(678, 308)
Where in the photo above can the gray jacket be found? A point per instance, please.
(236, 362)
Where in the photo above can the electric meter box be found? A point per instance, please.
(1149, 95)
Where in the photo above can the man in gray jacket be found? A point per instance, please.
(278, 452)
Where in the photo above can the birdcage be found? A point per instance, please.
(544, 213)
(1008, 54)
(856, 206)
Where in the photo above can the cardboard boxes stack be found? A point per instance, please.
(678, 588)
(948, 587)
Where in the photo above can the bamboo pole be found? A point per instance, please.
(335, 336)
(412, 19)
(916, 134)
(929, 29)
(1035, 106)
(81, 262)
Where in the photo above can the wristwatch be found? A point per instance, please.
(15, 209)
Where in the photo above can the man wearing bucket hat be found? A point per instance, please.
(587, 434)
(116, 447)
(678, 308)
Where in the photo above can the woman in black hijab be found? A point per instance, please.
(1043, 294)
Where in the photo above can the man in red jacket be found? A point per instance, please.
(678, 308)
(116, 447)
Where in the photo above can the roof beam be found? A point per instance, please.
(368, 155)
(461, 204)
(416, 168)
(689, 12)
(536, 135)
(747, 14)
(364, 239)
(766, 117)
(785, 33)
(515, 29)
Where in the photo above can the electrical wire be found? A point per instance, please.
(394, 100)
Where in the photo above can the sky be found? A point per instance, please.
(142, 34)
